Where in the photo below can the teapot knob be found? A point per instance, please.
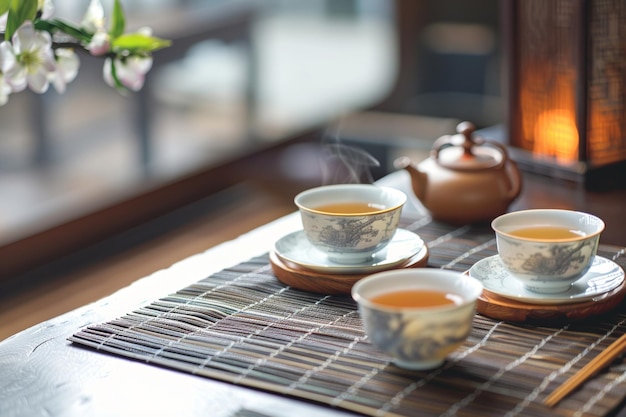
(467, 151)
(467, 129)
(465, 140)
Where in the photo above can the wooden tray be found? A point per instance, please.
(502, 308)
(301, 278)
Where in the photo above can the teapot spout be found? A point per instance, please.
(418, 178)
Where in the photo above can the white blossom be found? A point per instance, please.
(100, 43)
(47, 9)
(34, 60)
(7, 60)
(5, 90)
(131, 71)
(67, 64)
(93, 21)
(3, 21)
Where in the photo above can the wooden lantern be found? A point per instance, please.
(566, 69)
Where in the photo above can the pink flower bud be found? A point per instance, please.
(100, 43)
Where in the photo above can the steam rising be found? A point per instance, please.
(345, 164)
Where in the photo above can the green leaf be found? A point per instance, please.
(4, 6)
(138, 43)
(57, 25)
(19, 12)
(118, 23)
(26, 9)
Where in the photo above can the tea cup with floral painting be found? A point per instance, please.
(350, 222)
(417, 316)
(547, 249)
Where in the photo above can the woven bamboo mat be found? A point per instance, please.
(243, 326)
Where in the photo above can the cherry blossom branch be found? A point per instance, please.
(38, 50)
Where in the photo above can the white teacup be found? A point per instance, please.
(547, 249)
(350, 222)
(427, 314)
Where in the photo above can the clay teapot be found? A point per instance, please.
(466, 179)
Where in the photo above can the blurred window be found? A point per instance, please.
(62, 156)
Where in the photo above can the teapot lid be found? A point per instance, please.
(466, 153)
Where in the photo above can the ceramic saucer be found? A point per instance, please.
(604, 275)
(295, 248)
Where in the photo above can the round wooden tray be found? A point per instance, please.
(301, 278)
(492, 305)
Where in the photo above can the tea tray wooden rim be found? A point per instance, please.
(301, 278)
(497, 307)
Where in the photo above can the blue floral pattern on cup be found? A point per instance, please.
(409, 338)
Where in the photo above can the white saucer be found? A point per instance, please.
(295, 248)
(603, 276)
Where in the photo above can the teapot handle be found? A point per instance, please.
(515, 178)
(512, 172)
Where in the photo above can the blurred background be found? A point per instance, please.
(258, 99)
(241, 77)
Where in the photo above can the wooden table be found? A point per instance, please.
(43, 374)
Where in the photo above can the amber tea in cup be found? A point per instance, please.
(416, 298)
(547, 232)
(350, 223)
(547, 249)
(418, 316)
(356, 207)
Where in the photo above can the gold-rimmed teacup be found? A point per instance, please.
(547, 249)
(350, 222)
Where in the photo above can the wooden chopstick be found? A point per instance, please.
(597, 363)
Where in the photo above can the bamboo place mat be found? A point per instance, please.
(243, 326)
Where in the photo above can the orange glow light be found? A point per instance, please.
(556, 135)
